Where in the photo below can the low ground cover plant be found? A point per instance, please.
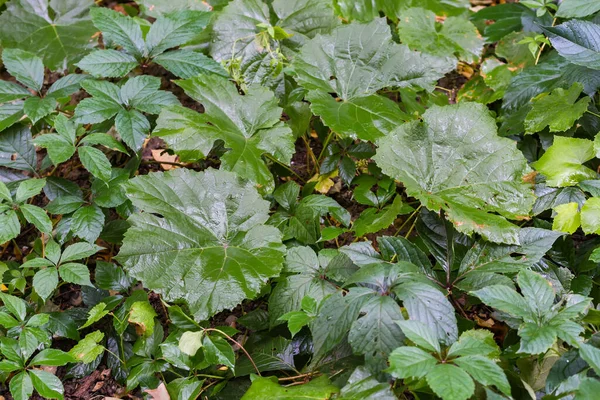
(291, 199)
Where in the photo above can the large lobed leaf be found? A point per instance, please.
(455, 161)
(249, 125)
(209, 246)
(236, 33)
(354, 62)
(57, 30)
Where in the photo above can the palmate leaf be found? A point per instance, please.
(354, 62)
(417, 29)
(57, 30)
(455, 161)
(559, 110)
(249, 125)
(236, 28)
(209, 247)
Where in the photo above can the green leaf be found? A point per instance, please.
(10, 227)
(536, 339)
(490, 257)
(47, 384)
(156, 8)
(484, 371)
(10, 113)
(60, 33)
(5, 193)
(119, 29)
(175, 29)
(296, 320)
(64, 205)
(375, 334)
(450, 382)
(336, 315)
(304, 280)
(142, 315)
(428, 305)
(373, 62)
(423, 156)
(52, 357)
(249, 125)
(577, 8)
(457, 35)
(410, 362)
(25, 66)
(95, 162)
(95, 314)
(559, 109)
(10, 91)
(475, 342)
(420, 334)
(36, 108)
(567, 218)
(38, 217)
(577, 41)
(590, 216)
(87, 223)
(268, 388)
(230, 253)
(107, 63)
(29, 188)
(109, 276)
(105, 104)
(105, 140)
(504, 299)
(239, 40)
(591, 355)
(366, 10)
(45, 281)
(373, 220)
(133, 127)
(191, 342)
(78, 251)
(15, 305)
(9, 366)
(537, 291)
(75, 273)
(21, 387)
(218, 351)
(66, 86)
(363, 386)
(60, 146)
(188, 64)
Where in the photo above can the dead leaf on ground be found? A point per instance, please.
(161, 155)
(160, 393)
